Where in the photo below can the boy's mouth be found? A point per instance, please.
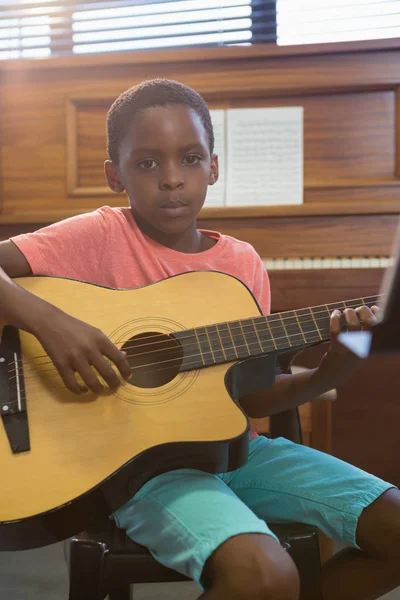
(174, 208)
(173, 204)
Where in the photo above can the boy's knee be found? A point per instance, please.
(255, 567)
(271, 584)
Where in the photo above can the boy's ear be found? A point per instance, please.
(214, 172)
(111, 173)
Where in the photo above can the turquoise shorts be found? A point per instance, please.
(183, 516)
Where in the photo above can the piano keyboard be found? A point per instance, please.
(328, 262)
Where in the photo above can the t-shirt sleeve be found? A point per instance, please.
(261, 286)
(72, 248)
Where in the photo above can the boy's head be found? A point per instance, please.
(160, 142)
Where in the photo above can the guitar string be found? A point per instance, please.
(32, 387)
(184, 359)
(197, 344)
(175, 349)
(268, 320)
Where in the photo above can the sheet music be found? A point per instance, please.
(264, 156)
(216, 193)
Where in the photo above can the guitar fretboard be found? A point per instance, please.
(230, 341)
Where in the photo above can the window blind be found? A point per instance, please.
(37, 28)
(313, 21)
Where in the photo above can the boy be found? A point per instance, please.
(160, 143)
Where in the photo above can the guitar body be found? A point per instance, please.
(90, 453)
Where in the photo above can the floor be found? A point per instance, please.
(42, 575)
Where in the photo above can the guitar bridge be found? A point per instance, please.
(13, 409)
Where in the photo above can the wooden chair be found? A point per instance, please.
(106, 562)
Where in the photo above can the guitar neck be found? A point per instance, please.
(280, 332)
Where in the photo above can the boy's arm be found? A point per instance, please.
(17, 306)
(288, 392)
(12, 261)
(83, 346)
(335, 368)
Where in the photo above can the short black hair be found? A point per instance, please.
(154, 92)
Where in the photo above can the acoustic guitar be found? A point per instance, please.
(67, 459)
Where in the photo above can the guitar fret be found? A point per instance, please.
(316, 324)
(205, 347)
(229, 343)
(270, 333)
(308, 328)
(215, 343)
(198, 343)
(328, 315)
(293, 328)
(256, 332)
(325, 328)
(233, 340)
(238, 335)
(209, 341)
(263, 336)
(221, 342)
(244, 337)
(301, 330)
(285, 330)
(280, 337)
(253, 341)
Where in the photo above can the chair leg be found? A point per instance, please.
(121, 593)
(86, 557)
(309, 565)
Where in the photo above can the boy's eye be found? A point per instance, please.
(192, 159)
(147, 164)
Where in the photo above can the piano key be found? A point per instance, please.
(327, 262)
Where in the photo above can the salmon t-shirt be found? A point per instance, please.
(106, 247)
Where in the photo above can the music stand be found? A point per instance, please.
(384, 337)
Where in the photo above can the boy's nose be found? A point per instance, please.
(171, 180)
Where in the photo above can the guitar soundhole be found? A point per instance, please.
(154, 359)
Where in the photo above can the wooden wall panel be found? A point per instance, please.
(346, 135)
(348, 138)
(91, 143)
(349, 92)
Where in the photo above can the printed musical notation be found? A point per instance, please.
(261, 157)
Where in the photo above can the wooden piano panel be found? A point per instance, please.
(302, 288)
(350, 235)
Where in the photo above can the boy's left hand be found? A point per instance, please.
(338, 364)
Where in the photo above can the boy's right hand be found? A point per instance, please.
(75, 347)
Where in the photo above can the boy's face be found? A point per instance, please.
(165, 167)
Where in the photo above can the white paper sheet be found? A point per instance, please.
(264, 156)
(260, 153)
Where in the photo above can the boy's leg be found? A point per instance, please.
(374, 570)
(283, 481)
(250, 566)
(189, 519)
